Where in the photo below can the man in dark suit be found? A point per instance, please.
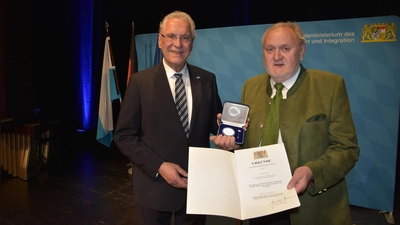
(315, 126)
(150, 133)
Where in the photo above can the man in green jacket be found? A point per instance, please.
(315, 125)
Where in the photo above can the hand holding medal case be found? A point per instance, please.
(234, 117)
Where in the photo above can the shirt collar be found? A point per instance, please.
(170, 72)
(288, 83)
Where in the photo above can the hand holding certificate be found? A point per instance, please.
(244, 184)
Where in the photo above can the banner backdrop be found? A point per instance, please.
(365, 51)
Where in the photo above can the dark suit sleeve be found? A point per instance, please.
(128, 131)
(217, 107)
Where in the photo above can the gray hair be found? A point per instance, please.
(180, 15)
(292, 25)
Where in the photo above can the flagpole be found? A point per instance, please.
(132, 62)
(113, 64)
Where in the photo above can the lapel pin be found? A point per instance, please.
(198, 77)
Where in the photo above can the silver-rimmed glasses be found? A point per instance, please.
(173, 37)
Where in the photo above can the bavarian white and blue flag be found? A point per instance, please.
(108, 93)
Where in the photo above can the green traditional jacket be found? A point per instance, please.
(318, 131)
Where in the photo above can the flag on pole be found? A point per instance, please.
(132, 64)
(108, 93)
(158, 56)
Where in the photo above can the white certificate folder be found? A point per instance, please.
(243, 184)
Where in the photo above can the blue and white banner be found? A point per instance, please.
(365, 51)
(108, 93)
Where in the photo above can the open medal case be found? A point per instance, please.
(234, 117)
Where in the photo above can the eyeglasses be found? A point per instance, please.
(173, 37)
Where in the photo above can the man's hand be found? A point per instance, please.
(300, 179)
(226, 142)
(173, 174)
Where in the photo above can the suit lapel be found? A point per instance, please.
(164, 100)
(195, 83)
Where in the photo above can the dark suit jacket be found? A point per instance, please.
(318, 131)
(149, 132)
